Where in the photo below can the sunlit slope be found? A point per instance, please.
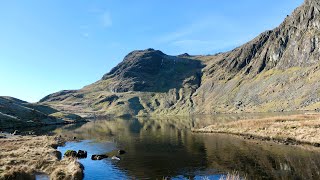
(276, 71)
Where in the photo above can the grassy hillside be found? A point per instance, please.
(15, 113)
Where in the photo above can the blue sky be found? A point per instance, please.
(51, 45)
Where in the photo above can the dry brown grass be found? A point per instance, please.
(24, 156)
(304, 128)
(233, 176)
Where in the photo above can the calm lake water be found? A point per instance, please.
(160, 148)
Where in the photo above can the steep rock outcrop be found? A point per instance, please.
(152, 71)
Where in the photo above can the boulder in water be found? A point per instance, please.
(82, 154)
(70, 153)
(120, 152)
(115, 158)
(98, 157)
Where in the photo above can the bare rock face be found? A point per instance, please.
(152, 71)
(294, 43)
(277, 71)
(270, 72)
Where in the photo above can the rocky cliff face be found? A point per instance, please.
(276, 71)
(153, 71)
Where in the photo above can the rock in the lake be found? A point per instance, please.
(115, 158)
(70, 153)
(82, 154)
(120, 152)
(57, 154)
(99, 157)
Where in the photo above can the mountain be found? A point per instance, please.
(276, 71)
(15, 113)
(144, 82)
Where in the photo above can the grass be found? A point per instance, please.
(233, 176)
(303, 128)
(23, 156)
(66, 116)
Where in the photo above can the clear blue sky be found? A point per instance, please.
(51, 45)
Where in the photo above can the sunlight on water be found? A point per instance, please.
(160, 148)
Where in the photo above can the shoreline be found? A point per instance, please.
(32, 125)
(29, 156)
(302, 129)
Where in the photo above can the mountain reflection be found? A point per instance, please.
(165, 147)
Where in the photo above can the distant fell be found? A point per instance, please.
(15, 113)
(276, 71)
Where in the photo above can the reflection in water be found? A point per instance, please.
(158, 148)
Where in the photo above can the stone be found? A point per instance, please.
(316, 144)
(70, 153)
(120, 151)
(115, 158)
(99, 157)
(82, 154)
(57, 154)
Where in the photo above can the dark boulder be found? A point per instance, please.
(57, 154)
(316, 144)
(82, 154)
(99, 157)
(120, 152)
(70, 153)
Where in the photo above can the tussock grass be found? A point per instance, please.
(24, 156)
(303, 128)
(233, 176)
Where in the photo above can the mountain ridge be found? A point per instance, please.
(276, 71)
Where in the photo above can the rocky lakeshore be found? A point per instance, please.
(303, 129)
(25, 157)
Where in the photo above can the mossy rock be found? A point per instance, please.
(70, 153)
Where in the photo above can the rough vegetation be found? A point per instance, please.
(233, 176)
(294, 129)
(23, 157)
(277, 71)
(15, 113)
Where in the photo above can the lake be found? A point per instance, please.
(166, 148)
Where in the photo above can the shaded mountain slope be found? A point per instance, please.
(145, 81)
(152, 71)
(276, 71)
(15, 113)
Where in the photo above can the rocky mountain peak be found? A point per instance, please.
(312, 2)
(306, 15)
(294, 43)
(150, 70)
(138, 54)
(138, 59)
